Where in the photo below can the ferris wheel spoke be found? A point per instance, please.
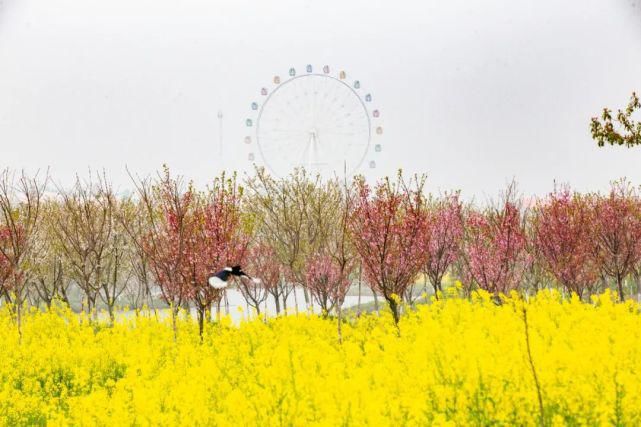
(333, 132)
(286, 105)
(283, 149)
(286, 132)
(321, 101)
(278, 143)
(288, 110)
(331, 98)
(300, 94)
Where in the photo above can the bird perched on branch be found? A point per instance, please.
(220, 279)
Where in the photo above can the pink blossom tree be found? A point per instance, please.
(340, 247)
(617, 232)
(167, 204)
(20, 219)
(385, 228)
(537, 274)
(441, 238)
(5, 266)
(190, 236)
(327, 282)
(495, 247)
(255, 292)
(217, 241)
(264, 263)
(563, 237)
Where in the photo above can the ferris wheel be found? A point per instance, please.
(317, 120)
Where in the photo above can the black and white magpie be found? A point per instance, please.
(220, 279)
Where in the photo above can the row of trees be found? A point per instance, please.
(583, 243)
(302, 231)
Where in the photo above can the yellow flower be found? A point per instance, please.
(456, 362)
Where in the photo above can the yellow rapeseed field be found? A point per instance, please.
(455, 362)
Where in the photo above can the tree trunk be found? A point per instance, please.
(174, 325)
(296, 301)
(277, 303)
(18, 302)
(637, 279)
(407, 295)
(340, 334)
(425, 288)
(63, 296)
(437, 289)
(378, 313)
(324, 306)
(604, 283)
(358, 310)
(149, 296)
(306, 295)
(112, 315)
(200, 311)
(620, 287)
(92, 307)
(394, 307)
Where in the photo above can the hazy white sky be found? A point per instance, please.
(473, 92)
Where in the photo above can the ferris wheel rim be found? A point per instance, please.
(301, 76)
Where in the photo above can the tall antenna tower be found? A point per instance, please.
(220, 133)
